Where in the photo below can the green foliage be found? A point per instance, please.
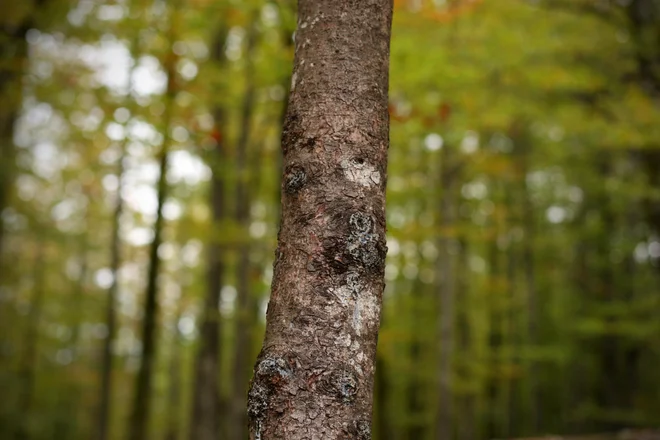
(534, 121)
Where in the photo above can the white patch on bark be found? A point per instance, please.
(343, 294)
(294, 78)
(343, 340)
(368, 310)
(360, 173)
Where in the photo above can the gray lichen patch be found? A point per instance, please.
(357, 170)
(294, 179)
(362, 430)
(270, 374)
(275, 368)
(363, 243)
(367, 311)
(258, 398)
(345, 384)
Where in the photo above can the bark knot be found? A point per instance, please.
(363, 242)
(294, 179)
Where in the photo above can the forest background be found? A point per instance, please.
(139, 198)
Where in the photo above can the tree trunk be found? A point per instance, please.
(383, 421)
(142, 402)
(243, 310)
(72, 399)
(13, 46)
(314, 376)
(415, 392)
(205, 423)
(110, 316)
(174, 397)
(30, 356)
(446, 293)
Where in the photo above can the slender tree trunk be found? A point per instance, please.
(528, 264)
(415, 393)
(467, 429)
(383, 422)
(314, 376)
(142, 402)
(105, 398)
(174, 398)
(30, 356)
(243, 310)
(13, 47)
(446, 294)
(71, 400)
(205, 419)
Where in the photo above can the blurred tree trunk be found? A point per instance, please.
(206, 407)
(175, 406)
(415, 392)
(382, 394)
(522, 150)
(243, 311)
(105, 400)
(30, 355)
(493, 418)
(13, 53)
(314, 375)
(71, 400)
(142, 403)
(467, 423)
(446, 296)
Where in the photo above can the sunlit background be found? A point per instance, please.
(140, 159)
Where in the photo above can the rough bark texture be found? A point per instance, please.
(314, 376)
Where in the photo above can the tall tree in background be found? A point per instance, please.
(205, 423)
(14, 58)
(244, 314)
(30, 355)
(446, 294)
(314, 375)
(142, 402)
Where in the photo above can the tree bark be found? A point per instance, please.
(205, 423)
(314, 376)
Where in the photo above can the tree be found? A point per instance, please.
(206, 399)
(314, 375)
(142, 402)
